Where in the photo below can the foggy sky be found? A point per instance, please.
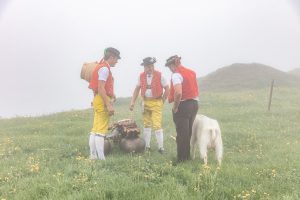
(43, 43)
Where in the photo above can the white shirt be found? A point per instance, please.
(177, 79)
(148, 92)
(103, 74)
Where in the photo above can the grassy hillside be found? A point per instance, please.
(47, 157)
(295, 72)
(247, 76)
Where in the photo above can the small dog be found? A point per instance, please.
(206, 134)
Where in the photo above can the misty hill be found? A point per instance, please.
(247, 76)
(295, 72)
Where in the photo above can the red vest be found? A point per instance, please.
(189, 85)
(156, 86)
(109, 84)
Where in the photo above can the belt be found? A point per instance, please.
(186, 100)
(96, 93)
(152, 98)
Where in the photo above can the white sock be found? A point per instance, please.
(93, 151)
(99, 141)
(147, 136)
(160, 138)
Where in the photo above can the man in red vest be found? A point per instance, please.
(102, 84)
(154, 91)
(184, 93)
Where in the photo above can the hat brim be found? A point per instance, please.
(170, 62)
(119, 57)
(144, 64)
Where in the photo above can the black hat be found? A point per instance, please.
(148, 61)
(111, 50)
(172, 60)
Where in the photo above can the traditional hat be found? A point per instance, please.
(148, 61)
(172, 60)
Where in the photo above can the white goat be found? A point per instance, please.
(206, 134)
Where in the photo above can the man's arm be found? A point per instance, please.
(102, 93)
(166, 93)
(177, 96)
(134, 97)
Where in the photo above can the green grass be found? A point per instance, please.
(46, 157)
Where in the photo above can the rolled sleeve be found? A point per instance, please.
(103, 74)
(177, 79)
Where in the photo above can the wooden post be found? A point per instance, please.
(271, 93)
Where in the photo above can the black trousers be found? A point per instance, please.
(184, 119)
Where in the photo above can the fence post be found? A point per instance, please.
(271, 94)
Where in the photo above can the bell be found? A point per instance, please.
(130, 145)
(107, 147)
(127, 145)
(140, 145)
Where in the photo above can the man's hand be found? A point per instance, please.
(110, 110)
(114, 98)
(177, 97)
(175, 109)
(131, 106)
(166, 93)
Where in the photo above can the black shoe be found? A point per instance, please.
(161, 151)
(147, 149)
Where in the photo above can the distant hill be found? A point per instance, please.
(247, 76)
(295, 72)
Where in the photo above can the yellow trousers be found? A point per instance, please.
(101, 116)
(152, 115)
